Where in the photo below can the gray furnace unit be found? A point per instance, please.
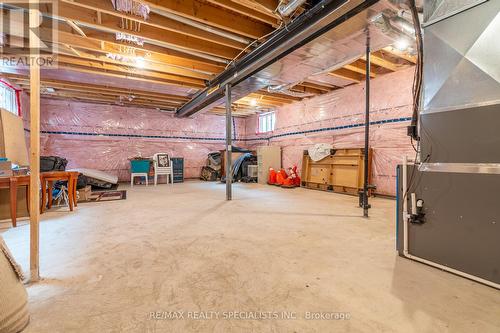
(449, 201)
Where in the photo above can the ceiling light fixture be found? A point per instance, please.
(140, 62)
(401, 44)
(253, 102)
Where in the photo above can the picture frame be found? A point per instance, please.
(162, 160)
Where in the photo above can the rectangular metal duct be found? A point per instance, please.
(329, 34)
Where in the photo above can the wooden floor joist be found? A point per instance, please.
(213, 16)
(186, 49)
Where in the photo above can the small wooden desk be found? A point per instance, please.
(52, 176)
(12, 183)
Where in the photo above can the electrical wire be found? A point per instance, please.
(417, 91)
(417, 80)
(252, 43)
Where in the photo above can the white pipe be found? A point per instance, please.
(286, 10)
(422, 260)
(202, 26)
(154, 42)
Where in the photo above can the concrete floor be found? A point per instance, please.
(107, 266)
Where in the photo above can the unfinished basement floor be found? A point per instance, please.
(108, 266)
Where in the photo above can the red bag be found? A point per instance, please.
(271, 180)
(279, 177)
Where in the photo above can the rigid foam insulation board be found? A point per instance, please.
(12, 139)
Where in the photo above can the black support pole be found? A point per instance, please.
(366, 206)
(229, 171)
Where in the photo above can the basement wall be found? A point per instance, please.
(338, 118)
(104, 137)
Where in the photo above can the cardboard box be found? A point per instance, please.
(84, 193)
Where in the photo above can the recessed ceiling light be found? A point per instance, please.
(401, 44)
(140, 62)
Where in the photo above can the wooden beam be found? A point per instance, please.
(264, 6)
(271, 97)
(68, 85)
(124, 75)
(110, 94)
(115, 95)
(101, 42)
(279, 95)
(112, 23)
(99, 67)
(109, 102)
(379, 61)
(145, 63)
(211, 15)
(347, 74)
(75, 27)
(108, 98)
(400, 54)
(69, 88)
(322, 87)
(358, 67)
(34, 42)
(307, 90)
(158, 21)
(244, 10)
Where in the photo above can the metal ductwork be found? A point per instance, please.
(457, 175)
(305, 28)
(320, 40)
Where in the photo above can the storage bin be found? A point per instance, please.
(140, 166)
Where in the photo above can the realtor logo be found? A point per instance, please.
(28, 33)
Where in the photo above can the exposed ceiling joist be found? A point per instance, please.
(130, 70)
(376, 60)
(212, 15)
(400, 54)
(348, 75)
(75, 27)
(359, 67)
(109, 23)
(157, 21)
(23, 81)
(264, 6)
(144, 63)
(250, 12)
(99, 42)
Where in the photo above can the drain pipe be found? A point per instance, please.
(286, 10)
(406, 252)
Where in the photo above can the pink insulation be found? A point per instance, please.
(104, 137)
(391, 99)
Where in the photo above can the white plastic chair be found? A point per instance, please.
(137, 174)
(160, 169)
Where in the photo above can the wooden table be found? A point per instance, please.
(12, 183)
(48, 178)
